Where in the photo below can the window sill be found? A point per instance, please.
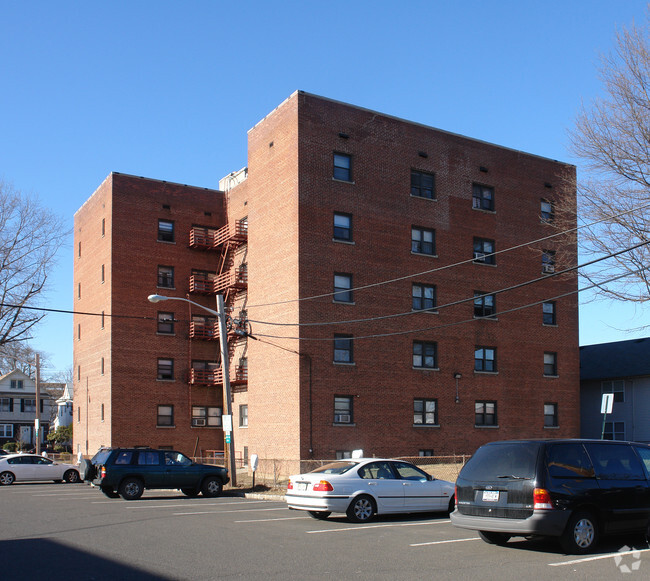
(426, 368)
(483, 210)
(344, 363)
(340, 241)
(170, 288)
(551, 427)
(549, 325)
(478, 372)
(484, 263)
(166, 334)
(423, 198)
(165, 427)
(351, 425)
(342, 181)
(165, 380)
(167, 241)
(344, 302)
(427, 311)
(486, 318)
(426, 425)
(486, 427)
(424, 254)
(552, 376)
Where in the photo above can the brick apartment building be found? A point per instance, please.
(316, 246)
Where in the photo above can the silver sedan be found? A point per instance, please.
(362, 488)
(26, 467)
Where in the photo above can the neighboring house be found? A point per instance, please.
(621, 368)
(18, 409)
(333, 198)
(63, 415)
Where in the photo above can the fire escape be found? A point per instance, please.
(230, 280)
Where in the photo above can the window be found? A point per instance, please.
(616, 387)
(17, 384)
(165, 415)
(342, 227)
(103, 274)
(548, 261)
(482, 197)
(166, 323)
(342, 288)
(485, 413)
(425, 453)
(6, 404)
(614, 431)
(484, 251)
(424, 355)
(423, 241)
(101, 366)
(102, 320)
(343, 349)
(548, 313)
(422, 185)
(550, 415)
(425, 412)
(206, 416)
(6, 430)
(343, 454)
(484, 304)
(485, 359)
(343, 409)
(165, 231)
(342, 167)
(243, 416)
(423, 297)
(28, 405)
(166, 276)
(165, 369)
(79, 291)
(547, 211)
(550, 364)
(103, 227)
(102, 412)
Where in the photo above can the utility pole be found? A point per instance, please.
(37, 421)
(229, 444)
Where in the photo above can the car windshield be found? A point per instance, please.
(502, 461)
(101, 457)
(335, 467)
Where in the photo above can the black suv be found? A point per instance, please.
(126, 472)
(574, 490)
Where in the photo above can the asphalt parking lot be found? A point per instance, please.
(63, 531)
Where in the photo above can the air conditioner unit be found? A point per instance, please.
(198, 421)
(476, 203)
(548, 268)
(342, 419)
(479, 256)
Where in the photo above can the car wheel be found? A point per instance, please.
(131, 488)
(109, 492)
(7, 478)
(191, 492)
(212, 486)
(492, 538)
(581, 533)
(319, 514)
(71, 476)
(452, 505)
(86, 470)
(361, 509)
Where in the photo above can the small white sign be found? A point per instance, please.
(608, 403)
(226, 422)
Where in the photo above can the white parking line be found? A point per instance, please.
(226, 511)
(272, 519)
(382, 526)
(444, 542)
(598, 557)
(197, 502)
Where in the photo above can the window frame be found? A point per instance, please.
(205, 413)
(342, 173)
(549, 318)
(550, 366)
(163, 323)
(481, 201)
(170, 415)
(339, 232)
(343, 294)
(481, 309)
(551, 419)
(483, 361)
(343, 410)
(547, 216)
(548, 261)
(422, 191)
(165, 278)
(340, 347)
(615, 388)
(612, 429)
(418, 244)
(422, 347)
(243, 416)
(166, 234)
(6, 430)
(422, 413)
(484, 415)
(422, 298)
(480, 254)
(165, 371)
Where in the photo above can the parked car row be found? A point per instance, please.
(27, 467)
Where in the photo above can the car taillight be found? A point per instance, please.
(289, 485)
(323, 486)
(456, 495)
(102, 472)
(542, 499)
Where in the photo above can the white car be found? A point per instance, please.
(363, 487)
(25, 467)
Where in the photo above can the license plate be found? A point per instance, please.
(301, 486)
(491, 495)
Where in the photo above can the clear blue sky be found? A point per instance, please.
(168, 89)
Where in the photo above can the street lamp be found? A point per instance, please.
(220, 313)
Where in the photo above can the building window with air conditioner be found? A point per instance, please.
(484, 251)
(206, 416)
(548, 261)
(343, 409)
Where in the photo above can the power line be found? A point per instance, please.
(439, 268)
(461, 301)
(66, 312)
(410, 331)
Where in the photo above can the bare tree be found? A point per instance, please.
(612, 135)
(30, 237)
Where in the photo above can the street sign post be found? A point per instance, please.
(606, 407)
